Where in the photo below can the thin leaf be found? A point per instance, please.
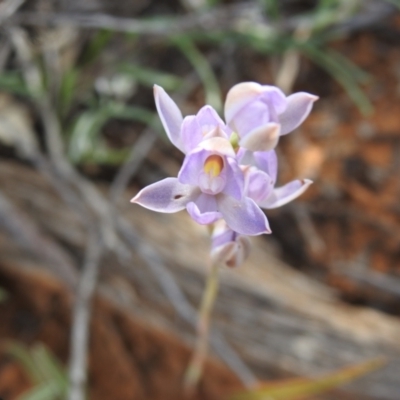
(149, 77)
(106, 156)
(23, 356)
(203, 69)
(342, 73)
(297, 389)
(51, 368)
(271, 8)
(45, 391)
(67, 90)
(133, 113)
(12, 82)
(85, 135)
(3, 295)
(96, 45)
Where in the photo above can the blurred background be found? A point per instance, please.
(79, 136)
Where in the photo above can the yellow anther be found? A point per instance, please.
(213, 165)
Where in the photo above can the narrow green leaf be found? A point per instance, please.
(203, 69)
(12, 82)
(96, 45)
(149, 77)
(23, 356)
(271, 8)
(133, 113)
(106, 156)
(45, 391)
(3, 295)
(85, 141)
(51, 368)
(297, 389)
(342, 73)
(84, 133)
(67, 90)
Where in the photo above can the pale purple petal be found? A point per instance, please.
(232, 254)
(275, 99)
(170, 115)
(208, 119)
(238, 97)
(234, 179)
(228, 247)
(244, 216)
(259, 185)
(299, 106)
(250, 105)
(204, 209)
(263, 138)
(191, 134)
(267, 161)
(204, 125)
(168, 196)
(286, 193)
(250, 117)
(222, 234)
(246, 157)
(192, 167)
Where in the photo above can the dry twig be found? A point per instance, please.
(81, 319)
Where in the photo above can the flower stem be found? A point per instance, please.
(195, 368)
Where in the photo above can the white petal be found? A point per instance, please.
(238, 96)
(298, 107)
(263, 138)
(170, 115)
(286, 193)
(243, 217)
(167, 196)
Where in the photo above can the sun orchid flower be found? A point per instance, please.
(210, 186)
(231, 248)
(260, 180)
(229, 170)
(259, 114)
(228, 247)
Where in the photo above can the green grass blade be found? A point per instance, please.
(203, 69)
(85, 141)
(12, 82)
(67, 90)
(335, 66)
(298, 389)
(84, 133)
(51, 368)
(149, 77)
(3, 295)
(45, 391)
(96, 45)
(22, 354)
(107, 156)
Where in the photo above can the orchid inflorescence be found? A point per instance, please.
(230, 168)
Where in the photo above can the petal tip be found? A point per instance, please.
(156, 89)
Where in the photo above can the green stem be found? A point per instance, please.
(195, 368)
